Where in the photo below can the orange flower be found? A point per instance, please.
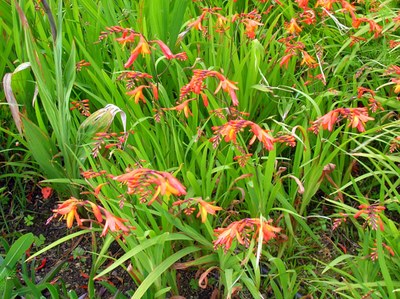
(220, 24)
(225, 236)
(285, 60)
(230, 129)
(141, 48)
(240, 230)
(138, 94)
(183, 106)
(361, 90)
(266, 229)
(127, 38)
(114, 224)
(229, 87)
(308, 17)
(348, 7)
(357, 117)
(154, 89)
(251, 27)
(196, 24)
(141, 181)
(327, 4)
(327, 121)
(167, 185)
(263, 136)
(68, 210)
(292, 27)
(303, 4)
(373, 26)
(308, 60)
(206, 208)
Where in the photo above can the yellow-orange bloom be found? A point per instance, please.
(137, 93)
(251, 27)
(68, 210)
(308, 60)
(142, 48)
(292, 27)
(357, 117)
(182, 106)
(167, 185)
(141, 181)
(397, 86)
(206, 208)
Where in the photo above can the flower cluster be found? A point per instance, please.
(374, 254)
(294, 48)
(229, 132)
(373, 219)
(143, 47)
(357, 118)
(108, 140)
(204, 207)
(82, 106)
(374, 105)
(241, 230)
(250, 20)
(146, 182)
(197, 86)
(130, 36)
(68, 210)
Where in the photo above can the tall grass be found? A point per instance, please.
(328, 156)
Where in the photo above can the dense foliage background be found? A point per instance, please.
(254, 140)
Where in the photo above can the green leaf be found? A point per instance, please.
(16, 251)
(161, 268)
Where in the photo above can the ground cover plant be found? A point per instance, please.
(254, 143)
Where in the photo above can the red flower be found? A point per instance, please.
(46, 192)
(251, 27)
(167, 52)
(263, 136)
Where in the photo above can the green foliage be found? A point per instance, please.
(10, 284)
(307, 156)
